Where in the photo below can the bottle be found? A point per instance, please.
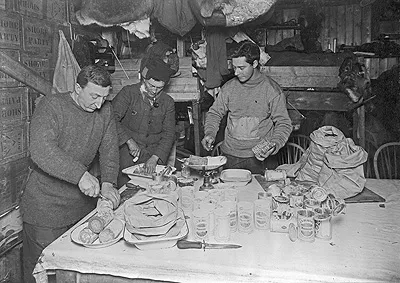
(185, 169)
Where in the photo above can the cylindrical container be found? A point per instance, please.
(216, 195)
(187, 198)
(231, 206)
(334, 45)
(305, 225)
(296, 200)
(318, 193)
(274, 190)
(280, 205)
(221, 224)
(245, 216)
(264, 195)
(262, 213)
(201, 224)
(185, 169)
(209, 207)
(311, 204)
(230, 194)
(275, 175)
(323, 226)
(199, 197)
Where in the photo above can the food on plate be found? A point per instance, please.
(197, 160)
(87, 236)
(105, 215)
(140, 170)
(106, 235)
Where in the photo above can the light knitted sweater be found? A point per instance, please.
(256, 109)
(64, 140)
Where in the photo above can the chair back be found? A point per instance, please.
(217, 149)
(387, 161)
(302, 140)
(290, 153)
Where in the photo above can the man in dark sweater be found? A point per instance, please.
(145, 117)
(67, 131)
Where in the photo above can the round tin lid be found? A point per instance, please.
(338, 209)
(292, 232)
(318, 193)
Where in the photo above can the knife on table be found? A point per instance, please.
(183, 244)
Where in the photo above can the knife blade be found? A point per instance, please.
(184, 244)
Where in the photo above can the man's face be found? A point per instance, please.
(243, 70)
(92, 96)
(153, 87)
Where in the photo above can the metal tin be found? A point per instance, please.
(275, 175)
(296, 200)
(318, 193)
(292, 232)
(323, 226)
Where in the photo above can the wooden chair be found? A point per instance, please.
(290, 153)
(217, 149)
(302, 140)
(387, 161)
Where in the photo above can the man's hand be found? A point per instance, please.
(134, 148)
(207, 143)
(110, 192)
(264, 154)
(89, 185)
(151, 163)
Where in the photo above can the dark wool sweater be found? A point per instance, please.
(64, 140)
(153, 129)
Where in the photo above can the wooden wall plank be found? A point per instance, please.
(357, 25)
(317, 100)
(341, 25)
(366, 24)
(333, 23)
(325, 34)
(349, 25)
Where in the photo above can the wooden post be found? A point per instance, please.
(22, 73)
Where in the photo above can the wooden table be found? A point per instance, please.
(365, 247)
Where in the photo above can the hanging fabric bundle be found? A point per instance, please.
(67, 68)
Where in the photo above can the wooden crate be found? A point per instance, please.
(12, 177)
(13, 142)
(14, 105)
(303, 76)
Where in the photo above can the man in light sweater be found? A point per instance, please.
(257, 114)
(67, 131)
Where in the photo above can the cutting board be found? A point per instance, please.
(366, 195)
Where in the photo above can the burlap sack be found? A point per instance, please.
(332, 161)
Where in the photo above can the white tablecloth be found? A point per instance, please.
(365, 247)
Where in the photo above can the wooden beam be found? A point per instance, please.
(24, 74)
(318, 100)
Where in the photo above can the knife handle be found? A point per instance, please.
(183, 244)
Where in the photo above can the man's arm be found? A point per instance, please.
(44, 149)
(282, 123)
(108, 150)
(215, 114)
(121, 103)
(168, 133)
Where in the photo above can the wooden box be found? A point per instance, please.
(12, 177)
(303, 76)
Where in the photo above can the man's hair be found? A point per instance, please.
(247, 49)
(94, 74)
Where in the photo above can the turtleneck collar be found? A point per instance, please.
(255, 79)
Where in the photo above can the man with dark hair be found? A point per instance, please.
(145, 117)
(67, 131)
(258, 123)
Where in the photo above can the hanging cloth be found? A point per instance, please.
(217, 62)
(67, 68)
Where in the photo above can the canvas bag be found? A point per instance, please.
(332, 161)
(342, 172)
